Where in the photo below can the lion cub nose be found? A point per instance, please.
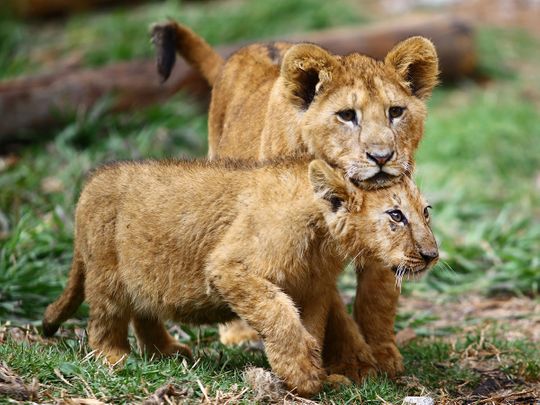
(380, 157)
(429, 256)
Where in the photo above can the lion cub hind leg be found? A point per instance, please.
(108, 334)
(154, 338)
(292, 352)
(110, 311)
(237, 332)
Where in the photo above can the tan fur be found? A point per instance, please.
(264, 115)
(280, 98)
(204, 242)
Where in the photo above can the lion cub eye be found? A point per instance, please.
(395, 112)
(426, 211)
(347, 115)
(397, 216)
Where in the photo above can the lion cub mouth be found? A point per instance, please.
(381, 179)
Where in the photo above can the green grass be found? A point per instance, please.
(218, 368)
(478, 164)
(67, 368)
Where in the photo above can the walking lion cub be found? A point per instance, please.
(203, 242)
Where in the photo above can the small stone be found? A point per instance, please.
(265, 385)
(418, 401)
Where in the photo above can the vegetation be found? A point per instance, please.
(479, 164)
(68, 368)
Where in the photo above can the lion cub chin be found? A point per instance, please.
(201, 242)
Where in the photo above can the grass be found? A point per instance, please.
(218, 369)
(61, 372)
(478, 164)
(487, 216)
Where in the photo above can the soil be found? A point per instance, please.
(513, 318)
(507, 318)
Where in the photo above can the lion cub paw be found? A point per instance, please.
(178, 348)
(389, 359)
(336, 381)
(302, 372)
(236, 333)
(305, 383)
(113, 358)
(356, 371)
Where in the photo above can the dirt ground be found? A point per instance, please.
(515, 318)
(506, 318)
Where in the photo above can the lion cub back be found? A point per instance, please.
(240, 99)
(157, 199)
(149, 225)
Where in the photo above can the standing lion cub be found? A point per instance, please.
(362, 115)
(201, 242)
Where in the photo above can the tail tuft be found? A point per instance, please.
(49, 329)
(170, 38)
(164, 39)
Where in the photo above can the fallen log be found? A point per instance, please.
(52, 8)
(39, 102)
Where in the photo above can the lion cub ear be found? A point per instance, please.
(415, 59)
(328, 183)
(305, 70)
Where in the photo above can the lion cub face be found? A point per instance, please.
(391, 224)
(364, 116)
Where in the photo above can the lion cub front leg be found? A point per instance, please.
(345, 350)
(315, 316)
(293, 353)
(375, 311)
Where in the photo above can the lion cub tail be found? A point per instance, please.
(171, 37)
(71, 298)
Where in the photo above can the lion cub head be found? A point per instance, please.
(391, 224)
(362, 115)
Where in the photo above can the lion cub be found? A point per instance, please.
(362, 115)
(203, 242)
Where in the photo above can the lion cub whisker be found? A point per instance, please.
(401, 269)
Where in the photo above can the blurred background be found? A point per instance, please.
(78, 87)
